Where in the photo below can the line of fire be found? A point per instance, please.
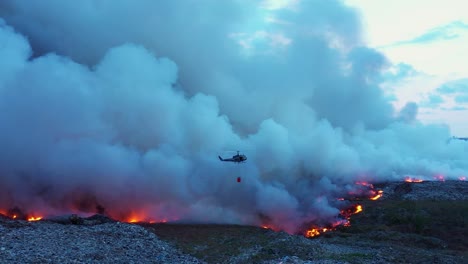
(363, 191)
(368, 192)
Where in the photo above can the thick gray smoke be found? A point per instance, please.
(127, 104)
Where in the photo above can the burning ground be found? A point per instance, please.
(410, 225)
(348, 204)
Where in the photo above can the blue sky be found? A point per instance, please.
(431, 37)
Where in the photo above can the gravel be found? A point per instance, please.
(112, 242)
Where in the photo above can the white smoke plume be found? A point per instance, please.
(127, 104)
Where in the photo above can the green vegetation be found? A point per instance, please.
(421, 223)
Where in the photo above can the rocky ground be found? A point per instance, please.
(91, 241)
(413, 223)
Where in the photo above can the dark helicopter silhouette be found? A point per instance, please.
(236, 158)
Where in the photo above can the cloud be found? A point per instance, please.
(457, 89)
(409, 112)
(279, 4)
(461, 99)
(261, 42)
(441, 33)
(454, 87)
(400, 72)
(14, 51)
(458, 108)
(432, 101)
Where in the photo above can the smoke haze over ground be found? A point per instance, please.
(127, 104)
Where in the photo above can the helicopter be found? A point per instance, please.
(238, 158)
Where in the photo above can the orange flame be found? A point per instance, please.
(358, 209)
(136, 217)
(316, 231)
(32, 218)
(347, 213)
(269, 227)
(408, 179)
(377, 196)
(365, 184)
(313, 232)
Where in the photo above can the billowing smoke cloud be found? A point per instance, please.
(125, 106)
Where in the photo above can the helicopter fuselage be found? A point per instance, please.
(236, 158)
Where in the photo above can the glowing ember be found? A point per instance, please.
(312, 232)
(32, 218)
(136, 217)
(346, 213)
(316, 231)
(18, 214)
(366, 184)
(377, 195)
(358, 209)
(367, 191)
(408, 179)
(462, 178)
(141, 217)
